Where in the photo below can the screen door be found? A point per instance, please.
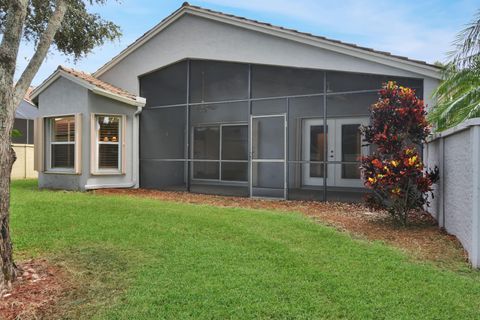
(268, 156)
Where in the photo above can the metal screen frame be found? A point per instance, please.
(285, 155)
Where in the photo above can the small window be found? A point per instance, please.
(109, 139)
(62, 143)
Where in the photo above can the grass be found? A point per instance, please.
(146, 259)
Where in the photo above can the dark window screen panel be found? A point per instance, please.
(63, 156)
(271, 81)
(21, 126)
(268, 138)
(268, 179)
(31, 132)
(235, 142)
(350, 105)
(108, 156)
(351, 150)
(219, 113)
(206, 143)
(269, 107)
(299, 110)
(162, 133)
(345, 81)
(167, 86)
(167, 175)
(206, 170)
(212, 81)
(234, 171)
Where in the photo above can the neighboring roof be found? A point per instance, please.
(26, 110)
(335, 45)
(91, 83)
(27, 94)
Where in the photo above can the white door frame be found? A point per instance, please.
(334, 151)
(252, 160)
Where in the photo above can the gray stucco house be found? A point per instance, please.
(214, 103)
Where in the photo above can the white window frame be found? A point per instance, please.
(95, 145)
(48, 123)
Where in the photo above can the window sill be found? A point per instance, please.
(67, 172)
(107, 173)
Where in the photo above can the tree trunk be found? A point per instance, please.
(7, 157)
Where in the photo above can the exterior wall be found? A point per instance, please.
(200, 38)
(456, 194)
(64, 97)
(23, 166)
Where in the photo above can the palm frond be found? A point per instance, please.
(467, 44)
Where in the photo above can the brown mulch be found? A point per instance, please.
(37, 289)
(422, 239)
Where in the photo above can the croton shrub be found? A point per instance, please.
(394, 171)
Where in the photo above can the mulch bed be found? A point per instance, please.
(38, 287)
(422, 239)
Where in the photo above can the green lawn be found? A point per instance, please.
(146, 259)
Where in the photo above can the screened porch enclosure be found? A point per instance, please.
(255, 130)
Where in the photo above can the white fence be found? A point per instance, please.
(23, 166)
(456, 204)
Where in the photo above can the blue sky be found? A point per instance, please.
(421, 29)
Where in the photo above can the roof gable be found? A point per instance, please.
(91, 83)
(348, 49)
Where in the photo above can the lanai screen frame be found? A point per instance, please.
(188, 159)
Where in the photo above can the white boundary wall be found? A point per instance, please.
(456, 204)
(23, 166)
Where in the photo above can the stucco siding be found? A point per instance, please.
(200, 38)
(456, 153)
(64, 97)
(458, 187)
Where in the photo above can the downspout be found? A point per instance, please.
(136, 147)
(135, 159)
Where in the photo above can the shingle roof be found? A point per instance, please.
(260, 23)
(26, 110)
(98, 83)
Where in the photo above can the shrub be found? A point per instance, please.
(394, 171)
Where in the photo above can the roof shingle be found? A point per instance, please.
(98, 83)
